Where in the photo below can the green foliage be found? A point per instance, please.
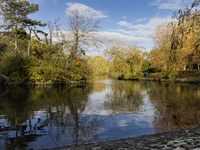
(169, 74)
(52, 69)
(17, 68)
(79, 69)
(99, 65)
(15, 12)
(118, 68)
(125, 60)
(34, 60)
(146, 66)
(15, 16)
(4, 45)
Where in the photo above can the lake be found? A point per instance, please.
(53, 116)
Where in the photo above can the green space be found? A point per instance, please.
(31, 54)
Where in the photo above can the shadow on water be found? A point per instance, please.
(29, 113)
(48, 117)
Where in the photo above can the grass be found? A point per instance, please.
(179, 74)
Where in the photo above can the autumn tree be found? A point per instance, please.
(159, 55)
(99, 65)
(125, 60)
(169, 55)
(177, 43)
(189, 23)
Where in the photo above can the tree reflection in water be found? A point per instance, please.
(35, 112)
(47, 117)
(126, 97)
(177, 105)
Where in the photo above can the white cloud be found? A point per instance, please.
(130, 25)
(125, 24)
(168, 4)
(143, 29)
(140, 20)
(84, 10)
(141, 34)
(124, 17)
(154, 22)
(123, 123)
(106, 36)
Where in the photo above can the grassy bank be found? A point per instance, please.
(192, 76)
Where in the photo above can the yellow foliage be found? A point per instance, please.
(125, 60)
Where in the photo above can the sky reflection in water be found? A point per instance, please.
(107, 109)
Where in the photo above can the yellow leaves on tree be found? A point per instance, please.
(125, 60)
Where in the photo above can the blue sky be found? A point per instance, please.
(130, 21)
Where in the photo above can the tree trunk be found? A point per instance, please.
(75, 49)
(50, 38)
(4, 77)
(46, 39)
(190, 67)
(4, 92)
(184, 67)
(29, 42)
(16, 48)
(50, 31)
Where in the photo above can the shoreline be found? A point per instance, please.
(184, 139)
(178, 80)
(84, 82)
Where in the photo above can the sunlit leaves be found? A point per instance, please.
(174, 48)
(125, 60)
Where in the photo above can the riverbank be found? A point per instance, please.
(184, 80)
(181, 77)
(185, 139)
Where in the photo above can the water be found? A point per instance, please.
(48, 117)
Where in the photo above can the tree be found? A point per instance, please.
(146, 66)
(31, 24)
(126, 60)
(159, 55)
(15, 15)
(99, 65)
(82, 28)
(192, 8)
(168, 54)
(190, 18)
(61, 37)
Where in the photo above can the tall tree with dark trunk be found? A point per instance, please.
(31, 24)
(15, 15)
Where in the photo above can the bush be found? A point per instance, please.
(54, 69)
(16, 68)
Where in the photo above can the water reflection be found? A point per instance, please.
(177, 105)
(47, 117)
(125, 97)
(39, 114)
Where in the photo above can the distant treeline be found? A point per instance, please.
(29, 54)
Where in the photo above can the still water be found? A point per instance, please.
(48, 117)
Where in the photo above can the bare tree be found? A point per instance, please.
(82, 28)
(50, 26)
(60, 35)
